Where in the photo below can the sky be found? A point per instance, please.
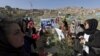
(50, 4)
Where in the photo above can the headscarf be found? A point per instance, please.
(93, 23)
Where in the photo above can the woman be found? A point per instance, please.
(90, 29)
(11, 39)
(65, 28)
(28, 41)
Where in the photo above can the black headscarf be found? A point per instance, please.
(65, 24)
(93, 23)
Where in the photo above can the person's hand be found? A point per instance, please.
(82, 41)
(81, 37)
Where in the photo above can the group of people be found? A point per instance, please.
(17, 36)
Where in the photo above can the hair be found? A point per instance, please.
(65, 24)
(93, 23)
(21, 23)
(4, 24)
(4, 31)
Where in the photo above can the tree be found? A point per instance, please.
(8, 8)
(17, 8)
(81, 7)
(10, 11)
(67, 16)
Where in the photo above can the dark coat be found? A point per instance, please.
(94, 44)
(92, 31)
(93, 23)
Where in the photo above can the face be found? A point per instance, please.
(62, 25)
(15, 36)
(73, 22)
(86, 25)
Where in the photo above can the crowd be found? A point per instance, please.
(19, 37)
